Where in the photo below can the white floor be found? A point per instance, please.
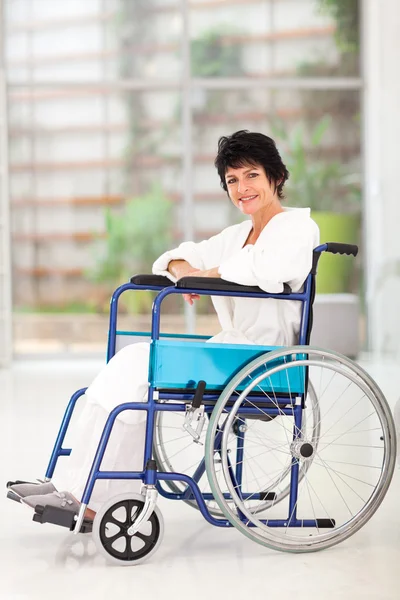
(195, 560)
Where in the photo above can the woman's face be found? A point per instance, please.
(249, 188)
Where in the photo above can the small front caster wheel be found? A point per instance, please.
(110, 530)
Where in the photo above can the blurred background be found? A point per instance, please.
(110, 114)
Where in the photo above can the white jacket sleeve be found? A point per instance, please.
(282, 254)
(202, 255)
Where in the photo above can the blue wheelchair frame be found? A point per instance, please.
(151, 476)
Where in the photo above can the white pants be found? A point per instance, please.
(123, 379)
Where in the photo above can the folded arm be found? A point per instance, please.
(181, 268)
(279, 257)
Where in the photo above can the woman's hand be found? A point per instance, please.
(181, 268)
(208, 273)
(190, 298)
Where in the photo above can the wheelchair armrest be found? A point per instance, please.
(152, 281)
(221, 285)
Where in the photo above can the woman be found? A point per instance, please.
(272, 247)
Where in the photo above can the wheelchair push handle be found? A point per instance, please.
(338, 248)
(333, 248)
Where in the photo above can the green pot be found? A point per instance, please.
(336, 271)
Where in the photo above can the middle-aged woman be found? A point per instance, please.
(272, 247)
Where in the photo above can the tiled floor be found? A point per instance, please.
(195, 560)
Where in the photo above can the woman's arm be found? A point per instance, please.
(283, 254)
(208, 273)
(190, 257)
(180, 268)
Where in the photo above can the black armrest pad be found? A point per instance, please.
(221, 285)
(152, 280)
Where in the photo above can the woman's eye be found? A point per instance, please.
(230, 181)
(253, 175)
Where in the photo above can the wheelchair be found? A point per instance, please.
(293, 446)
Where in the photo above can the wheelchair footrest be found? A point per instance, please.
(18, 481)
(60, 516)
(13, 496)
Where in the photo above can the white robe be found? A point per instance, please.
(282, 254)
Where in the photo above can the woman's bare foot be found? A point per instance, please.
(89, 513)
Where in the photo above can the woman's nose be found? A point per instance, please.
(242, 187)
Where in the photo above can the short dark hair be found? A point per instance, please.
(246, 148)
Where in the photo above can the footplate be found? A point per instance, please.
(13, 496)
(18, 481)
(60, 516)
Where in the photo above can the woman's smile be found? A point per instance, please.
(247, 198)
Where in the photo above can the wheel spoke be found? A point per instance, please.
(115, 521)
(323, 463)
(344, 433)
(143, 537)
(333, 404)
(109, 541)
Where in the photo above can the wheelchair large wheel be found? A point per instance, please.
(350, 468)
(110, 533)
(175, 451)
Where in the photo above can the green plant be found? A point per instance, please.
(213, 56)
(342, 104)
(346, 13)
(135, 237)
(323, 185)
(134, 26)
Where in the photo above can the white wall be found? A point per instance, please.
(382, 197)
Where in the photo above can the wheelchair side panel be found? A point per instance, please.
(176, 364)
(125, 338)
